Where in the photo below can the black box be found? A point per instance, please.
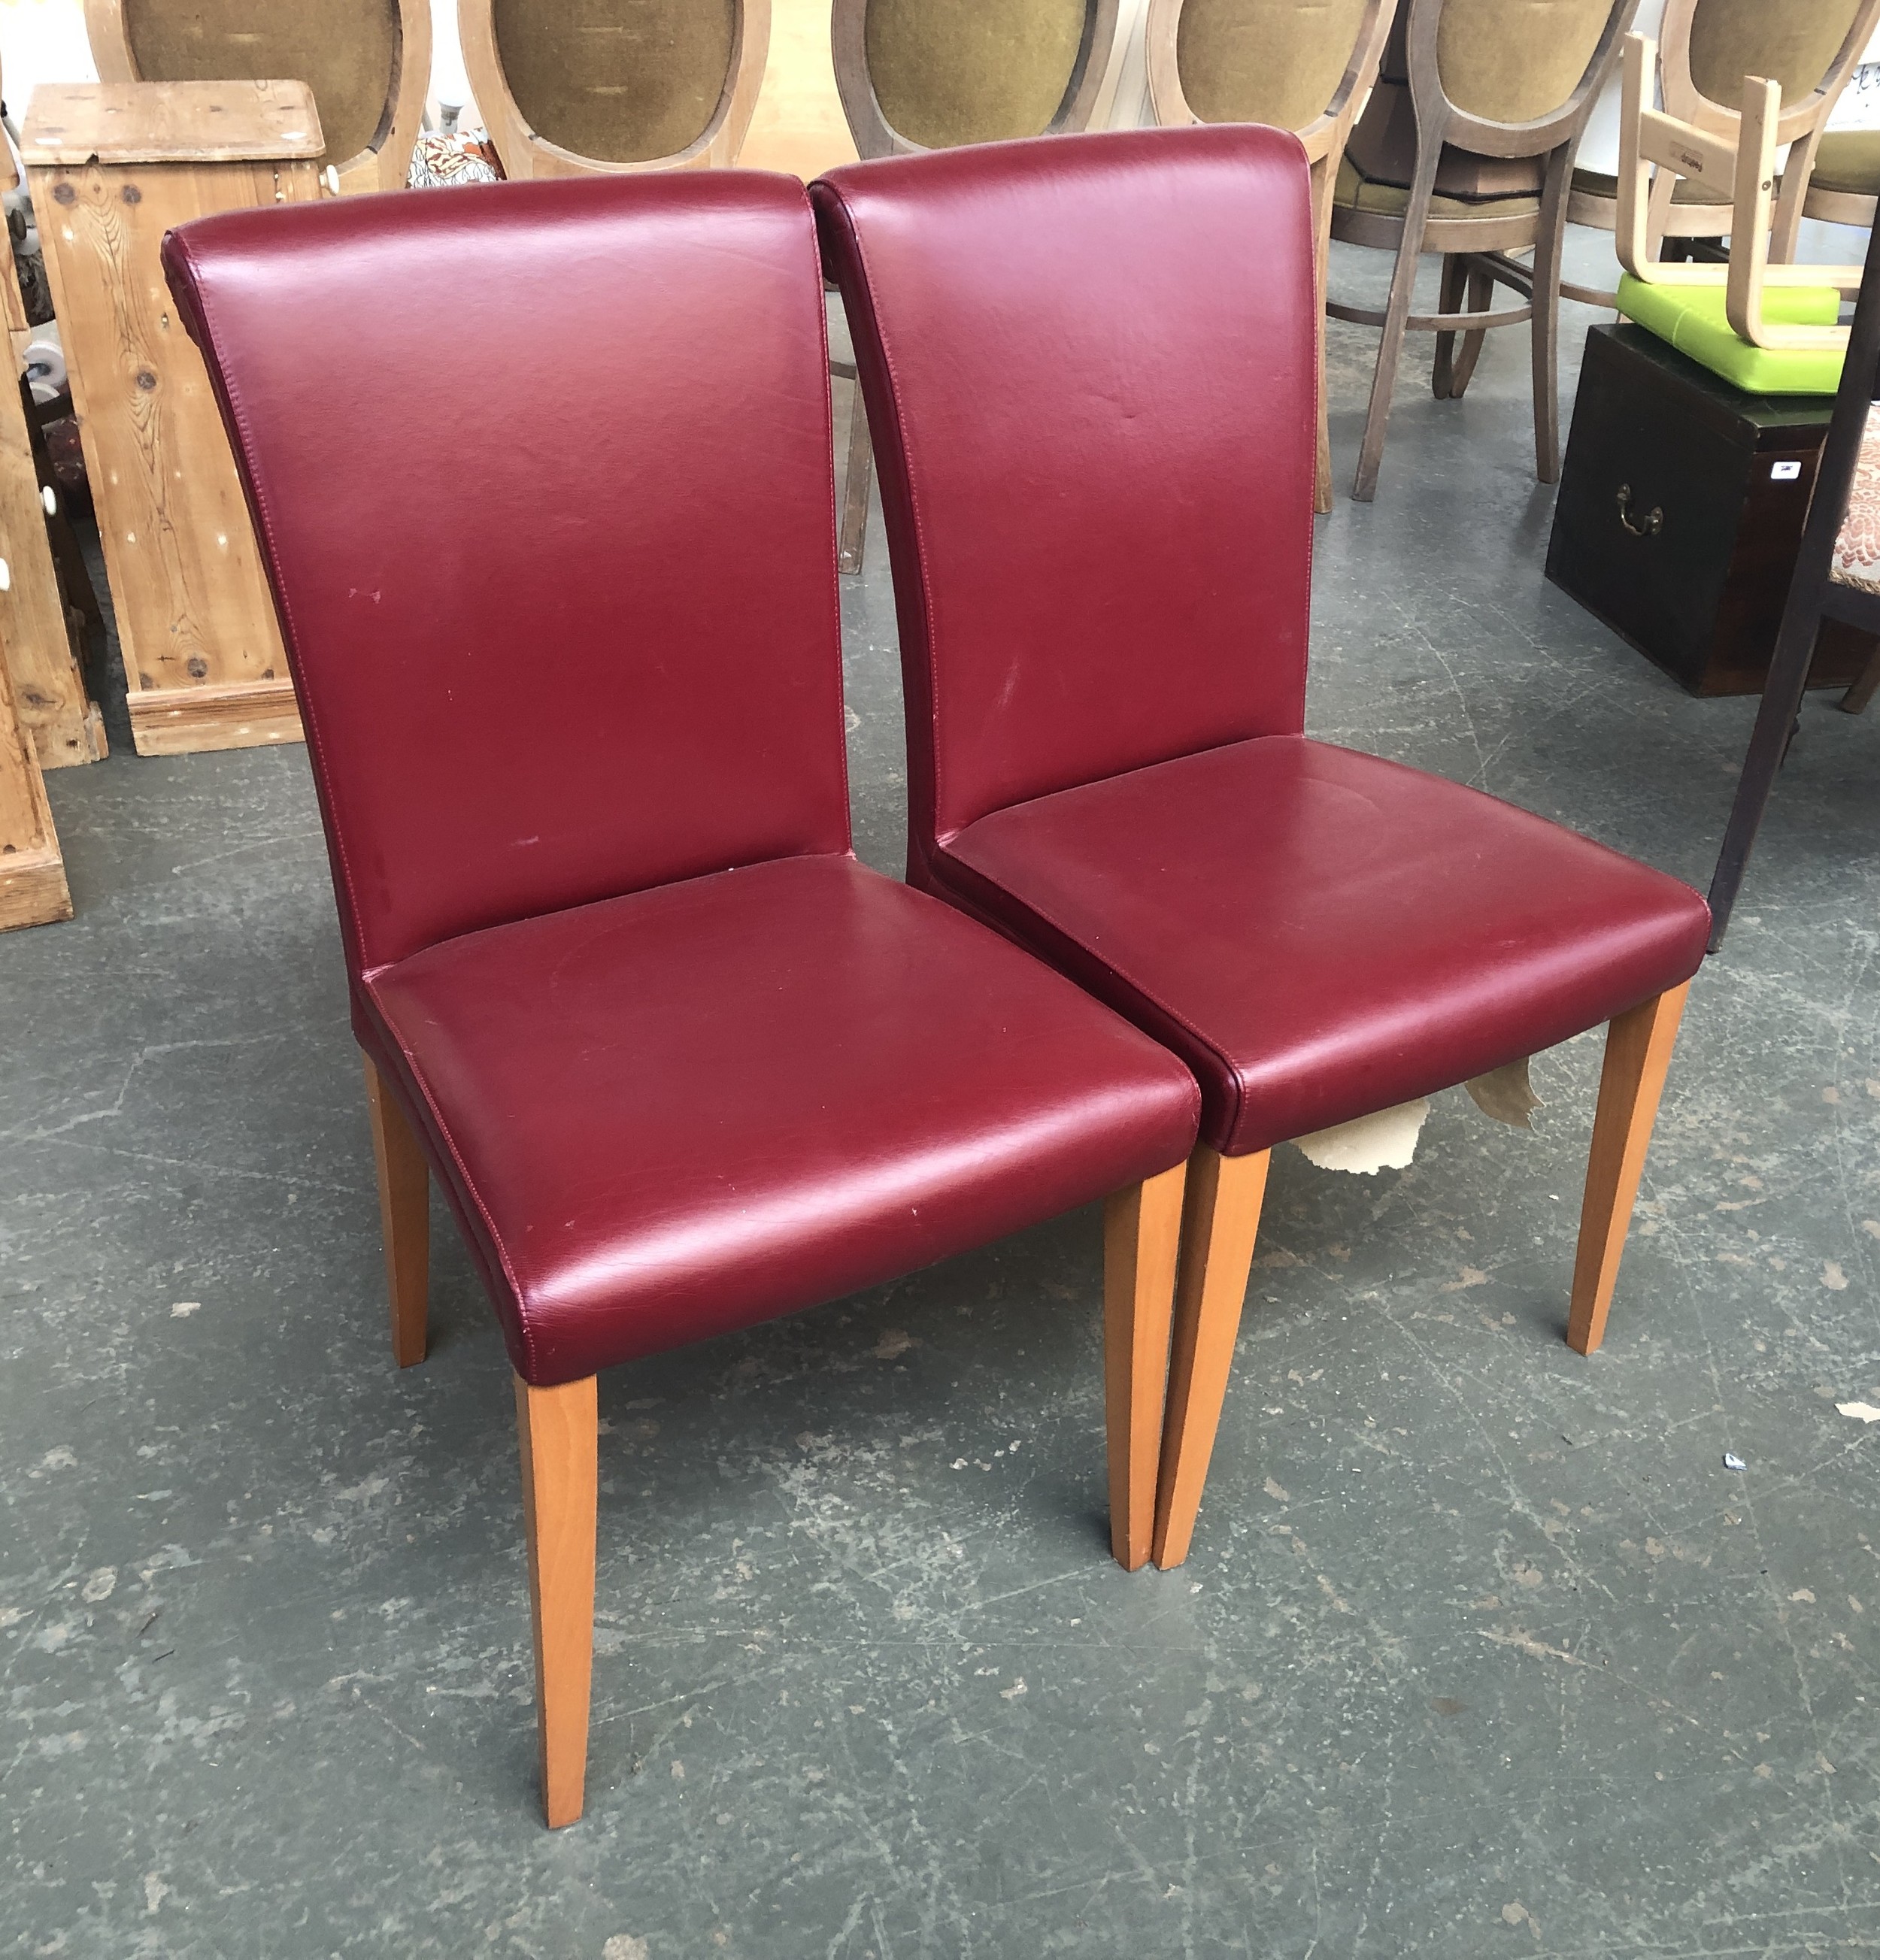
(1680, 510)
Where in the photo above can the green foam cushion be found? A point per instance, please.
(1692, 319)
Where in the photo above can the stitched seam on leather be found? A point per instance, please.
(1155, 1000)
(258, 509)
(225, 386)
(930, 842)
(834, 540)
(465, 1182)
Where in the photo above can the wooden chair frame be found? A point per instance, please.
(1476, 249)
(1655, 149)
(874, 136)
(1814, 596)
(1324, 139)
(557, 1427)
(525, 154)
(385, 163)
(1221, 1223)
(1802, 127)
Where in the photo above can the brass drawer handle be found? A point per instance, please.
(1652, 523)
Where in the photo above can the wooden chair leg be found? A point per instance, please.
(1855, 701)
(1638, 1053)
(560, 1430)
(404, 1211)
(1545, 326)
(857, 483)
(1364, 488)
(1456, 278)
(1142, 1234)
(1479, 297)
(1220, 1222)
(1324, 171)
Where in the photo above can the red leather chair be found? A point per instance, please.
(1088, 366)
(678, 1061)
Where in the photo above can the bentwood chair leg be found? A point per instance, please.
(560, 1430)
(858, 481)
(1142, 1234)
(1638, 1053)
(1364, 487)
(1220, 1222)
(404, 1212)
(1545, 324)
(1456, 275)
(1477, 298)
(1323, 172)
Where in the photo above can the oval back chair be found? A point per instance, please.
(1297, 65)
(936, 74)
(1466, 149)
(367, 61)
(579, 88)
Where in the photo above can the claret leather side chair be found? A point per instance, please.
(678, 1062)
(1089, 365)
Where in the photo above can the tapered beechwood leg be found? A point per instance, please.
(1638, 1053)
(1142, 1234)
(404, 1211)
(1219, 1224)
(560, 1430)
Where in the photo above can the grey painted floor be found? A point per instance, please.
(1482, 1651)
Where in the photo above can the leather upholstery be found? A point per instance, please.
(678, 1061)
(1096, 458)
(1320, 933)
(688, 1110)
(1128, 580)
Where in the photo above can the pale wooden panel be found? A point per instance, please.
(193, 609)
(798, 126)
(33, 890)
(170, 123)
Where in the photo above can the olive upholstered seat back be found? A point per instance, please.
(935, 75)
(1795, 44)
(1276, 62)
(569, 86)
(367, 61)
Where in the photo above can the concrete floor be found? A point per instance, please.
(1482, 1651)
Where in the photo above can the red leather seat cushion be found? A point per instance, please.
(690, 1109)
(1321, 934)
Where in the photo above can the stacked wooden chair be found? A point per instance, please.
(1296, 65)
(914, 76)
(1466, 148)
(1809, 49)
(367, 62)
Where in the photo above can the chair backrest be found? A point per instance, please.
(1809, 47)
(1089, 364)
(1501, 83)
(555, 645)
(367, 61)
(567, 87)
(936, 74)
(1297, 64)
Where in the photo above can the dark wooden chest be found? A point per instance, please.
(1680, 510)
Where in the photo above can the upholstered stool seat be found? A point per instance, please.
(1693, 320)
(693, 1108)
(1356, 191)
(1320, 933)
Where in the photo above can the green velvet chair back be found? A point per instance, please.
(1793, 42)
(623, 81)
(933, 74)
(1516, 60)
(1277, 62)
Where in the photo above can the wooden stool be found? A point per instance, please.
(113, 166)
